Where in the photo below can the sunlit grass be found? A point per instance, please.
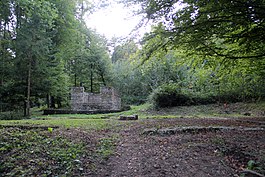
(89, 124)
(140, 110)
(105, 121)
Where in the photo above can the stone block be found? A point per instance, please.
(132, 117)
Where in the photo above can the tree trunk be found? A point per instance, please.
(59, 102)
(91, 78)
(3, 48)
(75, 80)
(48, 100)
(52, 102)
(103, 79)
(27, 110)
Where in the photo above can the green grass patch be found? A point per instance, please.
(233, 110)
(89, 124)
(37, 153)
(106, 147)
(105, 121)
(140, 110)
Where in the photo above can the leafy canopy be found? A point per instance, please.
(222, 28)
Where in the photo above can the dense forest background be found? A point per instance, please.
(198, 54)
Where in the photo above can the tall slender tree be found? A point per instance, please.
(35, 22)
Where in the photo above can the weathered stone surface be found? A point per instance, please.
(107, 99)
(247, 114)
(68, 111)
(133, 117)
(195, 129)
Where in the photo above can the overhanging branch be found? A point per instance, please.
(231, 56)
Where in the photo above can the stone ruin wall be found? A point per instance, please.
(107, 99)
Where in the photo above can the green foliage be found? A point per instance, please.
(46, 47)
(50, 129)
(106, 147)
(210, 83)
(32, 152)
(251, 164)
(225, 29)
(136, 81)
(202, 80)
(226, 64)
(11, 115)
(89, 124)
(124, 52)
(130, 82)
(169, 95)
(254, 165)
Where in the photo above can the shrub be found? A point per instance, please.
(133, 99)
(11, 115)
(202, 98)
(169, 95)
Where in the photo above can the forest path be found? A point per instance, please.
(221, 153)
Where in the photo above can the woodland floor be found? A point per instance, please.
(218, 153)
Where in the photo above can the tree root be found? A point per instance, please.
(246, 171)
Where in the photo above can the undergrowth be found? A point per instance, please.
(106, 147)
(88, 124)
(36, 153)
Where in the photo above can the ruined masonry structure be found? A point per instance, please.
(106, 100)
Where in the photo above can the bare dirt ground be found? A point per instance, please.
(179, 147)
(209, 153)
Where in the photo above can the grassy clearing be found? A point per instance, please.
(211, 111)
(88, 122)
(104, 121)
(140, 110)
